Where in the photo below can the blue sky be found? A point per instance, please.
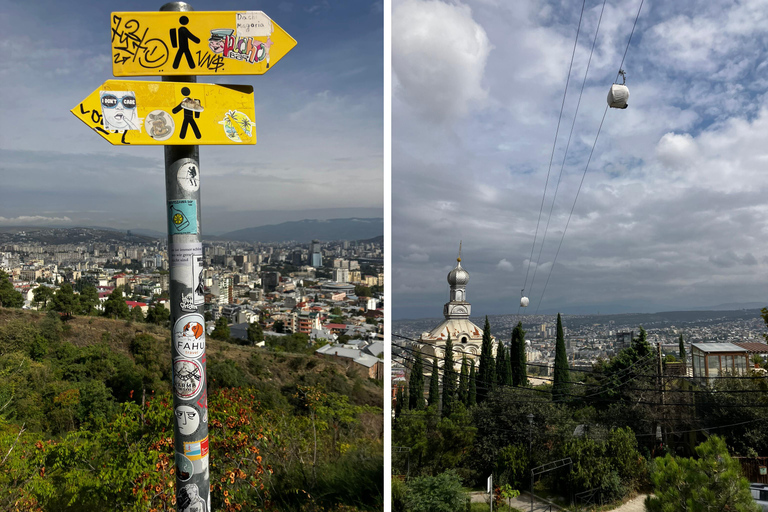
(672, 213)
(318, 119)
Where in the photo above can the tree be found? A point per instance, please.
(464, 382)
(763, 313)
(449, 378)
(42, 294)
(710, 483)
(115, 306)
(485, 370)
(9, 297)
(278, 326)
(221, 329)
(519, 363)
(434, 385)
(441, 493)
(682, 348)
(88, 299)
(501, 365)
(64, 300)
(472, 395)
(158, 314)
(416, 385)
(255, 333)
(562, 379)
(399, 399)
(137, 315)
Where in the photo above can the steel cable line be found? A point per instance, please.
(554, 145)
(568, 145)
(597, 136)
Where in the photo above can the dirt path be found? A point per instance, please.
(524, 503)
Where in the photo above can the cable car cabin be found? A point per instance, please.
(618, 96)
(524, 302)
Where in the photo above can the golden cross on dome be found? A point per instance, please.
(459, 258)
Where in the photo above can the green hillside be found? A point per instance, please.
(86, 422)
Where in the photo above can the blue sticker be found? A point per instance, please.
(182, 217)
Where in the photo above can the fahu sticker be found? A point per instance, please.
(189, 335)
(187, 377)
(182, 217)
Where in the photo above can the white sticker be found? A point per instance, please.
(186, 263)
(188, 176)
(253, 24)
(189, 335)
(187, 378)
(187, 419)
(159, 125)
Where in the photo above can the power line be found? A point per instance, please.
(554, 145)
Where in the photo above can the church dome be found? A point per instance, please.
(458, 276)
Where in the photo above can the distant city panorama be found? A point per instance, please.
(331, 292)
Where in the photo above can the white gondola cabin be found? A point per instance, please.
(524, 302)
(618, 96)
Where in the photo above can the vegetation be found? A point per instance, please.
(87, 414)
(625, 428)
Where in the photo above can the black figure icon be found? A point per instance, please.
(192, 109)
(183, 43)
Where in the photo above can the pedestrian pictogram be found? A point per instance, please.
(196, 43)
(164, 113)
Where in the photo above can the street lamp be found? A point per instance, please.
(530, 444)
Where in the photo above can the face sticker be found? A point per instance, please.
(159, 125)
(182, 217)
(188, 419)
(184, 467)
(119, 111)
(187, 378)
(237, 126)
(188, 177)
(189, 335)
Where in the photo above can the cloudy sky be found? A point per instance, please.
(673, 212)
(318, 120)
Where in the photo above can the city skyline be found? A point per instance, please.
(671, 213)
(318, 121)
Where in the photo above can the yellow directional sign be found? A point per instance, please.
(196, 43)
(169, 113)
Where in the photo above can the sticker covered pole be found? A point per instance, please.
(185, 255)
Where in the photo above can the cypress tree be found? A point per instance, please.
(517, 356)
(464, 381)
(449, 378)
(682, 349)
(501, 364)
(416, 385)
(508, 369)
(562, 375)
(399, 402)
(487, 367)
(472, 395)
(434, 385)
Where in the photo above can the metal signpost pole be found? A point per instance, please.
(185, 255)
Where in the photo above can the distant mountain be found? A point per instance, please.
(311, 229)
(148, 232)
(733, 306)
(58, 236)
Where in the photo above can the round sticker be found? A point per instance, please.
(188, 176)
(189, 335)
(188, 419)
(184, 467)
(159, 125)
(187, 378)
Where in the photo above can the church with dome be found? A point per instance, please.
(467, 338)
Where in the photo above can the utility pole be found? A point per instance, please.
(185, 255)
(660, 383)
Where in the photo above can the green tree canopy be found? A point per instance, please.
(416, 384)
(221, 329)
(449, 378)
(88, 299)
(561, 386)
(485, 371)
(519, 363)
(41, 295)
(434, 385)
(64, 300)
(255, 333)
(710, 483)
(115, 306)
(9, 297)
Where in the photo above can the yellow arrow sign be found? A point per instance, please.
(196, 43)
(169, 113)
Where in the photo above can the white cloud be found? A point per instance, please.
(32, 219)
(438, 58)
(505, 265)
